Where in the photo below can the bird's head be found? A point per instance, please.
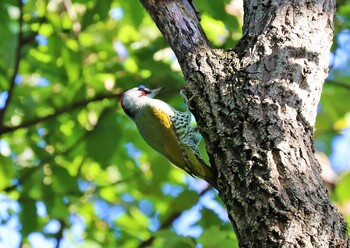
(134, 99)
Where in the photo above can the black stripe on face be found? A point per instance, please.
(144, 91)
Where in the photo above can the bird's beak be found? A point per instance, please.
(155, 91)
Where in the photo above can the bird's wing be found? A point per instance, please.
(158, 131)
(175, 139)
(185, 132)
(189, 146)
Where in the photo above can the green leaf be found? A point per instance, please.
(90, 244)
(71, 64)
(8, 41)
(135, 223)
(98, 12)
(209, 218)
(62, 182)
(214, 237)
(7, 171)
(167, 238)
(28, 216)
(134, 13)
(103, 141)
(56, 208)
(342, 192)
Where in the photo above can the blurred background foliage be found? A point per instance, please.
(74, 172)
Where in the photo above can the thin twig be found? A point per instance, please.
(168, 222)
(79, 104)
(148, 242)
(59, 234)
(46, 160)
(124, 180)
(80, 167)
(17, 62)
(340, 84)
(29, 38)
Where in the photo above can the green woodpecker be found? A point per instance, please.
(167, 130)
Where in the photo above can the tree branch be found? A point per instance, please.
(339, 84)
(30, 37)
(22, 41)
(44, 161)
(59, 234)
(179, 23)
(79, 104)
(167, 223)
(148, 242)
(17, 62)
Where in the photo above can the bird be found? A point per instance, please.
(167, 130)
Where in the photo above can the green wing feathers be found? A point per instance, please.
(198, 167)
(176, 139)
(188, 141)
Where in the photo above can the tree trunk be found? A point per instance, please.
(256, 107)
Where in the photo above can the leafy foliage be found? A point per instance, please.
(74, 170)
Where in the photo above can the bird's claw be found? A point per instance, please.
(184, 97)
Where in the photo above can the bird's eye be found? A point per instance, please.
(144, 91)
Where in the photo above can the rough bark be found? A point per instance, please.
(256, 107)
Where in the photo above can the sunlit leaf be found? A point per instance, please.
(103, 140)
(214, 237)
(342, 192)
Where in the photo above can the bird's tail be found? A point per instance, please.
(210, 174)
(199, 168)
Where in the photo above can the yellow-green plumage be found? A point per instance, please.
(169, 132)
(157, 130)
